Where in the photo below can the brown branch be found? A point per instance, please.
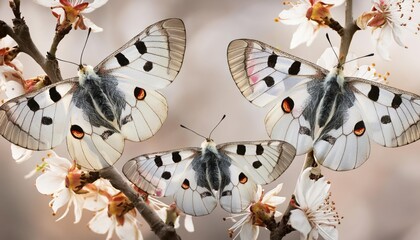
(162, 230)
(20, 33)
(348, 33)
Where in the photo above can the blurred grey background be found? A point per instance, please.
(380, 200)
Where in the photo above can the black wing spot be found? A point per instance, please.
(241, 149)
(305, 131)
(396, 102)
(158, 161)
(257, 164)
(385, 119)
(166, 175)
(148, 66)
(330, 139)
(122, 60)
(373, 93)
(141, 47)
(33, 105)
(126, 119)
(106, 134)
(227, 193)
(205, 194)
(269, 81)
(294, 69)
(272, 60)
(46, 120)
(260, 149)
(176, 157)
(54, 95)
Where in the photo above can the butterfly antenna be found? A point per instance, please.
(62, 60)
(217, 125)
(354, 59)
(192, 131)
(84, 46)
(329, 41)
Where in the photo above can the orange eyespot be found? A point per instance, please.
(139, 93)
(186, 184)
(77, 132)
(359, 128)
(242, 178)
(287, 105)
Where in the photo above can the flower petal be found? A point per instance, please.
(48, 3)
(382, 38)
(299, 222)
(295, 15)
(249, 231)
(304, 33)
(88, 23)
(48, 183)
(188, 223)
(20, 154)
(328, 232)
(100, 223)
(129, 230)
(94, 5)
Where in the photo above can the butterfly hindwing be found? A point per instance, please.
(38, 120)
(392, 116)
(252, 163)
(292, 119)
(262, 72)
(144, 112)
(263, 161)
(344, 143)
(193, 199)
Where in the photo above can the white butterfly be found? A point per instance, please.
(114, 101)
(321, 110)
(197, 177)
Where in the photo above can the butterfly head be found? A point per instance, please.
(209, 144)
(85, 72)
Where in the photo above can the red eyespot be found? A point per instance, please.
(139, 93)
(77, 132)
(287, 105)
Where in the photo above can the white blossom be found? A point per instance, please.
(70, 12)
(250, 220)
(310, 16)
(314, 214)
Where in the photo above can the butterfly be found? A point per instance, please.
(105, 105)
(198, 178)
(320, 110)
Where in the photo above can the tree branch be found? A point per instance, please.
(20, 33)
(162, 230)
(348, 32)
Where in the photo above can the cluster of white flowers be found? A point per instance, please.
(388, 20)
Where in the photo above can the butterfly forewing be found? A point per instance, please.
(151, 59)
(38, 120)
(262, 72)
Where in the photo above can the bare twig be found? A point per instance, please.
(162, 230)
(348, 33)
(20, 33)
